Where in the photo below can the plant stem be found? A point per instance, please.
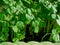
(48, 26)
(45, 36)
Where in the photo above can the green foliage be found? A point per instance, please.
(39, 14)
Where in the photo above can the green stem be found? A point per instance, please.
(48, 26)
(45, 36)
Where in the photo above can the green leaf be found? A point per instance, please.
(29, 18)
(6, 2)
(29, 11)
(8, 17)
(5, 30)
(15, 39)
(54, 31)
(15, 28)
(53, 16)
(56, 37)
(41, 0)
(1, 17)
(26, 3)
(58, 0)
(5, 24)
(58, 20)
(54, 9)
(36, 29)
(42, 24)
(20, 25)
(33, 24)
